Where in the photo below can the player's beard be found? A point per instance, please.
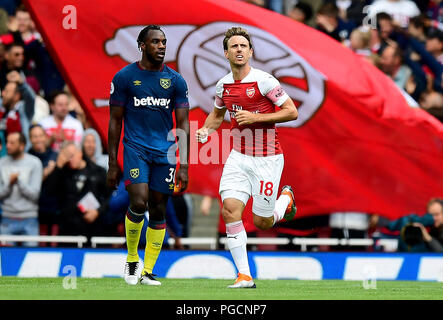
(152, 59)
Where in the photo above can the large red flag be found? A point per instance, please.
(357, 145)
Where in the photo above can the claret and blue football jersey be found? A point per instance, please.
(149, 98)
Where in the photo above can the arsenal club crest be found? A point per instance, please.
(250, 92)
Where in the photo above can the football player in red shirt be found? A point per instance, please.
(255, 163)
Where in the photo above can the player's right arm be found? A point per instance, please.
(212, 123)
(116, 102)
(215, 118)
(114, 133)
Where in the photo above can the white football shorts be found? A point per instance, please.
(244, 176)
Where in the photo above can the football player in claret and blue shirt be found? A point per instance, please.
(144, 95)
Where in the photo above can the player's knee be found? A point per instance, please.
(139, 206)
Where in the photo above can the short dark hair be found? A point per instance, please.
(418, 22)
(14, 44)
(435, 34)
(36, 125)
(398, 52)
(383, 16)
(22, 8)
(54, 94)
(236, 31)
(21, 137)
(305, 8)
(329, 9)
(144, 33)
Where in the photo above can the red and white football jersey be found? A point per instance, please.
(71, 127)
(258, 92)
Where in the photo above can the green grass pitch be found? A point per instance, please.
(13, 288)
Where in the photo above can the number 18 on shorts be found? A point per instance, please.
(244, 176)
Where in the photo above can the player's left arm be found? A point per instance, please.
(182, 121)
(182, 124)
(287, 112)
(270, 88)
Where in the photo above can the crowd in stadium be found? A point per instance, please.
(39, 116)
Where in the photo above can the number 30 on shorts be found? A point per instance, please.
(267, 188)
(171, 176)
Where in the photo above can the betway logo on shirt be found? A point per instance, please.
(151, 101)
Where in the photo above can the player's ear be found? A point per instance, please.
(226, 54)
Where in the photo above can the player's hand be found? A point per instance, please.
(244, 117)
(202, 134)
(112, 176)
(181, 179)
